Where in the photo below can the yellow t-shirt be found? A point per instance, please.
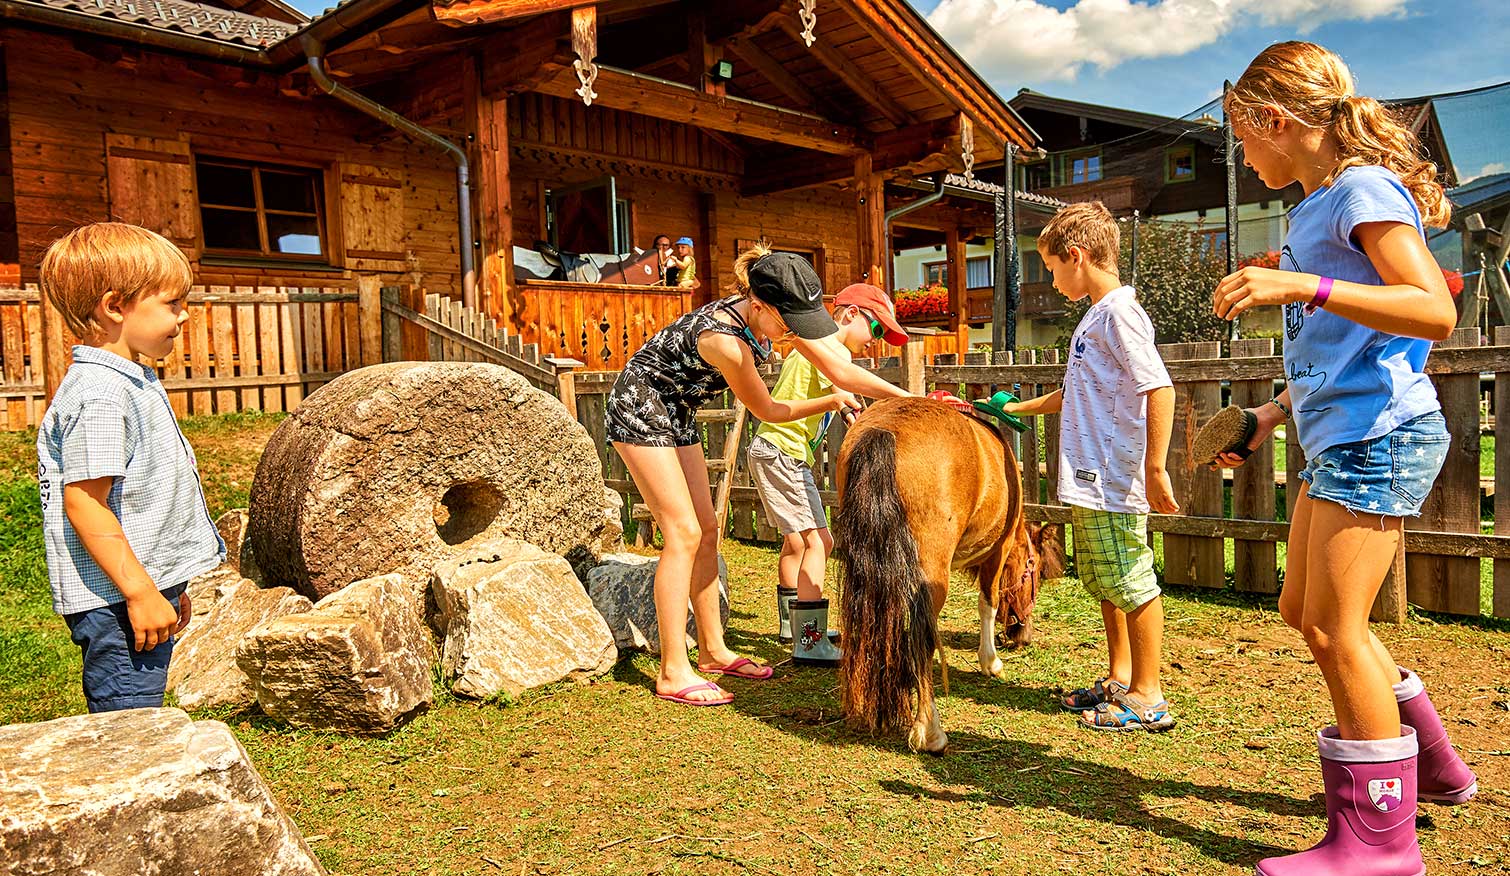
(799, 380)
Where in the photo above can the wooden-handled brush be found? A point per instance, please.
(1227, 432)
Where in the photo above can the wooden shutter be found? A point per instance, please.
(152, 185)
(372, 217)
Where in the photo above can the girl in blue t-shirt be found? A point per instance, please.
(1363, 300)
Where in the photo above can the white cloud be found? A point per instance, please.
(1489, 169)
(1015, 40)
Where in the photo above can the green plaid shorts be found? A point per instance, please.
(1113, 557)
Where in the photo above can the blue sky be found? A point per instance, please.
(1170, 63)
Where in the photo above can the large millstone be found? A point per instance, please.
(392, 467)
(139, 791)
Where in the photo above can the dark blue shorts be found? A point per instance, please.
(1388, 476)
(116, 676)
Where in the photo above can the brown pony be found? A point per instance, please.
(924, 489)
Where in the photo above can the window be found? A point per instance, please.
(1179, 164)
(261, 210)
(1036, 176)
(1214, 241)
(936, 272)
(1082, 167)
(1033, 268)
(978, 272)
(590, 218)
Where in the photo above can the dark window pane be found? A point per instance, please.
(226, 186)
(295, 235)
(288, 191)
(230, 229)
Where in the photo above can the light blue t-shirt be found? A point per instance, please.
(111, 418)
(1348, 382)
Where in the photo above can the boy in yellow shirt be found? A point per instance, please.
(781, 464)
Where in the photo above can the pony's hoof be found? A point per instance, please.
(919, 741)
(996, 669)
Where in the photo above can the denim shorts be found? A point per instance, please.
(116, 676)
(1389, 475)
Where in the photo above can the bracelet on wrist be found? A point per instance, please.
(1323, 292)
(1282, 406)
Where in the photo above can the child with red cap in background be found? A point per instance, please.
(781, 464)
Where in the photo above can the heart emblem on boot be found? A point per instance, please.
(1385, 794)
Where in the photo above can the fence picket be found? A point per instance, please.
(1452, 583)
(1254, 562)
(199, 356)
(223, 344)
(1500, 605)
(248, 362)
(291, 340)
(268, 352)
(1189, 559)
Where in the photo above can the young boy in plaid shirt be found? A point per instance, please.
(1116, 413)
(123, 513)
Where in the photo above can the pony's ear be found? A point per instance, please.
(1050, 549)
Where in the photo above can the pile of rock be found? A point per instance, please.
(410, 514)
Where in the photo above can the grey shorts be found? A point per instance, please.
(786, 488)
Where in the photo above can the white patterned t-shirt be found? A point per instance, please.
(1103, 423)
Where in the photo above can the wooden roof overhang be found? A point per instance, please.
(865, 86)
(876, 80)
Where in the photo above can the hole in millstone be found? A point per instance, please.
(465, 510)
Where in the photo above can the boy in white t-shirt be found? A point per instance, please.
(1117, 410)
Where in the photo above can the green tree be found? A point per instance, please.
(1177, 272)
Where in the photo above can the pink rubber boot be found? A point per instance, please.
(1370, 811)
(1443, 777)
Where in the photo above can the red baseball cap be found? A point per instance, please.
(878, 304)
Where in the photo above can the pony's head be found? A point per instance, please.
(1034, 556)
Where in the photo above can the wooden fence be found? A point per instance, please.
(1444, 549)
(244, 347)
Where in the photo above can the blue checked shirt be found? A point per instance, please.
(110, 418)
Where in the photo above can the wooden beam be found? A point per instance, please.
(674, 102)
(488, 120)
(873, 250)
(913, 150)
(892, 23)
(519, 59)
(863, 85)
(774, 72)
(955, 275)
(464, 12)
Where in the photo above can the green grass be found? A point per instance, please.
(602, 778)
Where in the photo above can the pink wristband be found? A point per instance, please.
(1323, 292)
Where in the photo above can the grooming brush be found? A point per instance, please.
(1227, 432)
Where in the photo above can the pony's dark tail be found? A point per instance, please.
(889, 635)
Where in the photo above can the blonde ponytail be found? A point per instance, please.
(742, 264)
(1312, 86)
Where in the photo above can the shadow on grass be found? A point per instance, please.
(1015, 773)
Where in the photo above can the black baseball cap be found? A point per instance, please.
(788, 283)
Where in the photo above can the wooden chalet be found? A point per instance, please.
(424, 144)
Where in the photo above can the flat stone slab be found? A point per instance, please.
(142, 791)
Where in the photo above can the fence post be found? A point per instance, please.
(1501, 599)
(370, 318)
(392, 327)
(566, 381)
(57, 345)
(914, 378)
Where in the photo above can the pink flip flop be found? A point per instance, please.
(681, 696)
(732, 670)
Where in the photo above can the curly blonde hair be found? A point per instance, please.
(1313, 86)
(741, 286)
